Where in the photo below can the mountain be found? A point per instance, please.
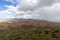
(26, 24)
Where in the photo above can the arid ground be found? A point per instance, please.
(29, 30)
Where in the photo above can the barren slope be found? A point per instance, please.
(26, 24)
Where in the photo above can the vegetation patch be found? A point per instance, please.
(42, 33)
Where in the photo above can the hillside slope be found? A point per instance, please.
(26, 24)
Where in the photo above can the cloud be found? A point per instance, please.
(57, 1)
(43, 9)
(37, 9)
(52, 12)
(34, 7)
(25, 5)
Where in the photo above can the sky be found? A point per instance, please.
(30, 9)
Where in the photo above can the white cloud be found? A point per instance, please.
(5, 12)
(37, 9)
(25, 5)
(53, 12)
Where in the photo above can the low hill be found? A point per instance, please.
(26, 24)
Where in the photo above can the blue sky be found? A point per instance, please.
(3, 7)
(2, 3)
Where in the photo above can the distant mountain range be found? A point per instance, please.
(26, 23)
